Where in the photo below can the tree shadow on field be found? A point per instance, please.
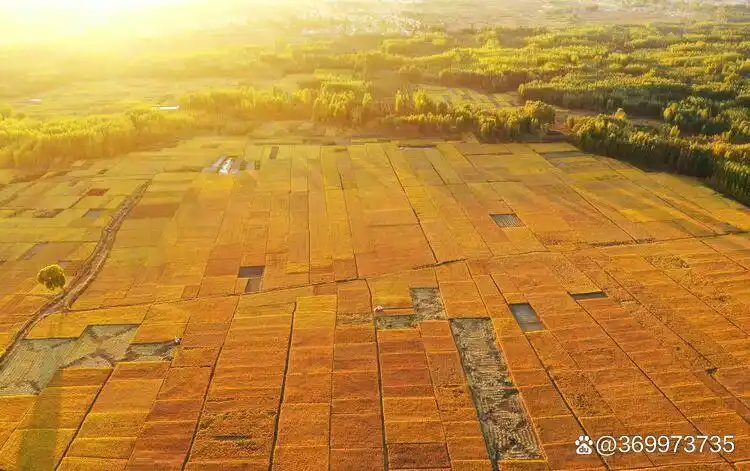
(38, 442)
(40, 439)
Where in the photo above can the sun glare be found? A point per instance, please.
(79, 8)
(63, 17)
(82, 5)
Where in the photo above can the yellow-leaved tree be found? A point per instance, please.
(52, 277)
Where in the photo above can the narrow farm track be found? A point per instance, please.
(89, 270)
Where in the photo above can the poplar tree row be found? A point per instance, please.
(727, 166)
(26, 142)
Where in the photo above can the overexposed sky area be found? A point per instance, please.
(96, 5)
(59, 16)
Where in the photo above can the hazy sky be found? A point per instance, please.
(75, 10)
(79, 4)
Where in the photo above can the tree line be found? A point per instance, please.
(727, 166)
(698, 115)
(25, 142)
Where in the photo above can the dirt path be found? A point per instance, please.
(90, 268)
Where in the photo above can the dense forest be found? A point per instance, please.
(694, 80)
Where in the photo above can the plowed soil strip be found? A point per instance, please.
(506, 427)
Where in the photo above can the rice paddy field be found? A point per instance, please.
(276, 304)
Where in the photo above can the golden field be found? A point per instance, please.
(293, 375)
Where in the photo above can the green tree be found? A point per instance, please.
(52, 277)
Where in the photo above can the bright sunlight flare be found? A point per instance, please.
(60, 18)
(78, 12)
(83, 7)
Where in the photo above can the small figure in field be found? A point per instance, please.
(52, 277)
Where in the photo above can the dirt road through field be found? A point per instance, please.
(89, 270)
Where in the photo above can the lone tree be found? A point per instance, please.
(52, 277)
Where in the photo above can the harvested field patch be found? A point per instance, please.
(149, 211)
(250, 271)
(94, 213)
(526, 317)
(162, 351)
(507, 429)
(253, 276)
(427, 305)
(585, 296)
(35, 362)
(47, 213)
(564, 154)
(97, 192)
(506, 220)
(35, 250)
